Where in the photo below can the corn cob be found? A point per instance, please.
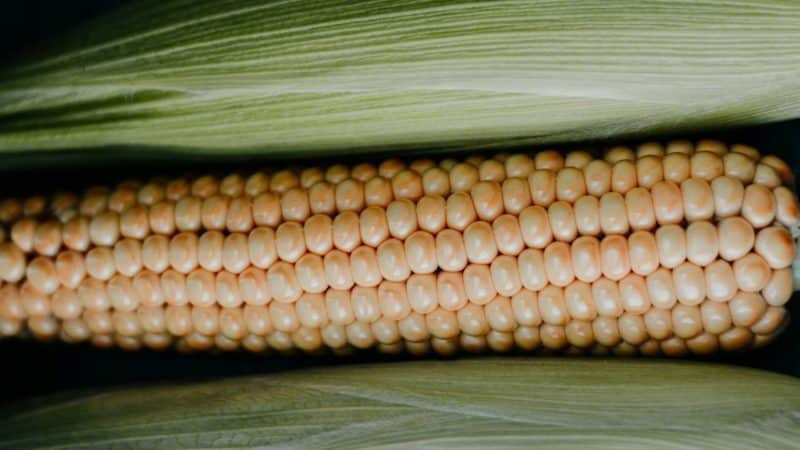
(662, 250)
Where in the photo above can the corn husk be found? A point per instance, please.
(487, 403)
(292, 78)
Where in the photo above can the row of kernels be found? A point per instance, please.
(694, 200)
(127, 194)
(702, 243)
(344, 340)
(94, 200)
(586, 258)
(444, 324)
(732, 325)
(508, 234)
(627, 172)
(611, 213)
(499, 315)
(486, 200)
(452, 176)
(687, 283)
(714, 147)
(614, 256)
(145, 289)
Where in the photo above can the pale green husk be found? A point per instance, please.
(310, 77)
(513, 403)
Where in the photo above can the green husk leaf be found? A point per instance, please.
(301, 77)
(488, 403)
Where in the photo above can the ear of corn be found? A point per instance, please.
(499, 403)
(676, 249)
(313, 77)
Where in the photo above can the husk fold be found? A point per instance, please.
(321, 77)
(486, 403)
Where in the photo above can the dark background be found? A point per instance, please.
(31, 369)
